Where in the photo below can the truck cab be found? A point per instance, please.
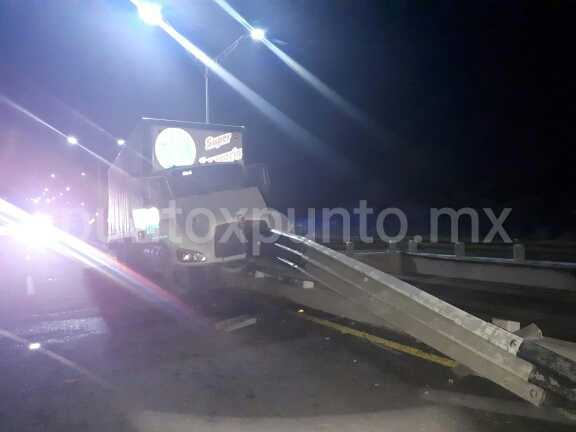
(189, 201)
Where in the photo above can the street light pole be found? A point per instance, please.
(151, 13)
(207, 95)
(206, 71)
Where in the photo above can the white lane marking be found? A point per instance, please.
(58, 358)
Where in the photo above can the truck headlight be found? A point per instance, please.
(190, 256)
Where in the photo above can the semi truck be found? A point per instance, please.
(183, 204)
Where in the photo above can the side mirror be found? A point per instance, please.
(256, 176)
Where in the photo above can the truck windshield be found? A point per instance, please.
(202, 179)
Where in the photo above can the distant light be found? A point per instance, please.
(52, 175)
(47, 200)
(82, 204)
(96, 214)
(67, 188)
(72, 140)
(45, 189)
(61, 194)
(150, 13)
(258, 34)
(53, 198)
(35, 200)
(300, 310)
(121, 142)
(67, 202)
(83, 174)
(34, 346)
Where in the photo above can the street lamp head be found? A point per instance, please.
(72, 140)
(258, 34)
(150, 13)
(121, 142)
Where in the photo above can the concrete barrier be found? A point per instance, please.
(543, 274)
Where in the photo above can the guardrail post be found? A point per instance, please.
(349, 248)
(459, 250)
(519, 252)
(412, 246)
(394, 258)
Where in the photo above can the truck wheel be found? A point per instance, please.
(129, 255)
(176, 280)
(212, 278)
(192, 282)
(122, 254)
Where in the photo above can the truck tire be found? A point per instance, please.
(121, 253)
(176, 280)
(129, 255)
(194, 282)
(212, 278)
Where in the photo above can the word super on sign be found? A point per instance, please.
(215, 142)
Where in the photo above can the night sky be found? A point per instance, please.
(472, 102)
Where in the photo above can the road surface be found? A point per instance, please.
(79, 351)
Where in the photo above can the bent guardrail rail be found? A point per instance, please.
(526, 369)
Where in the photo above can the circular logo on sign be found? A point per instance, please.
(174, 147)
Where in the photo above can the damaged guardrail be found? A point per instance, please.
(524, 368)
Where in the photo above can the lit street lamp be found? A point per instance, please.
(52, 175)
(151, 13)
(72, 140)
(121, 142)
(258, 34)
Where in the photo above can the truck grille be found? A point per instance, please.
(233, 244)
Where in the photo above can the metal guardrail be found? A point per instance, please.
(526, 369)
(518, 252)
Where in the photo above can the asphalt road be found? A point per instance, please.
(114, 358)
